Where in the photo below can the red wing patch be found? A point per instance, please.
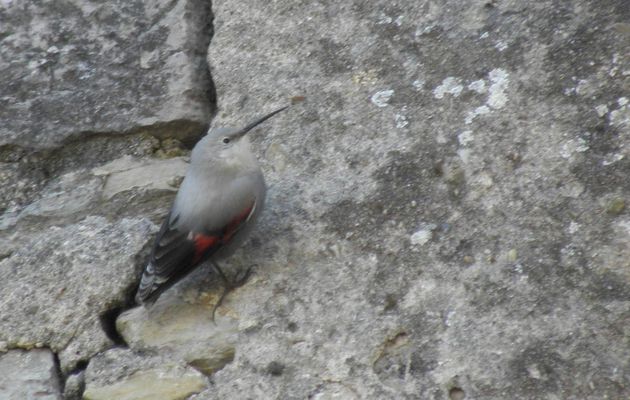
(203, 244)
(233, 226)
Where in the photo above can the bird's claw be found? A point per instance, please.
(231, 285)
(243, 277)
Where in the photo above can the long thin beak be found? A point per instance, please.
(259, 121)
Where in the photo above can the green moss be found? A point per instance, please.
(616, 206)
(170, 148)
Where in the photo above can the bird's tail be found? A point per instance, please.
(146, 293)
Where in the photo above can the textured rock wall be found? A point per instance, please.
(446, 215)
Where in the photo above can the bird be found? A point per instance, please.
(213, 213)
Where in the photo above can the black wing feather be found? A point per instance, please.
(170, 260)
(174, 255)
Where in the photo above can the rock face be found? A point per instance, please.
(120, 374)
(29, 375)
(78, 67)
(181, 331)
(447, 213)
(69, 277)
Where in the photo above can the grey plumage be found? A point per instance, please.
(214, 210)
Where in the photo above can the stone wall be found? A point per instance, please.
(446, 215)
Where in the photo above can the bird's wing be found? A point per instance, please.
(177, 251)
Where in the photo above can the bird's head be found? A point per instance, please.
(226, 144)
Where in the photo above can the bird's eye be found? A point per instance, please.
(226, 140)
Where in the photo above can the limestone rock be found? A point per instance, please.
(74, 386)
(122, 375)
(447, 208)
(75, 67)
(70, 275)
(71, 194)
(182, 330)
(29, 375)
(127, 173)
(494, 123)
(167, 384)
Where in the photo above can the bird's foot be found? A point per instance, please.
(242, 277)
(239, 281)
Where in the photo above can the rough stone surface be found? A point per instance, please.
(70, 278)
(74, 386)
(182, 330)
(120, 374)
(73, 67)
(29, 375)
(126, 174)
(477, 125)
(447, 210)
